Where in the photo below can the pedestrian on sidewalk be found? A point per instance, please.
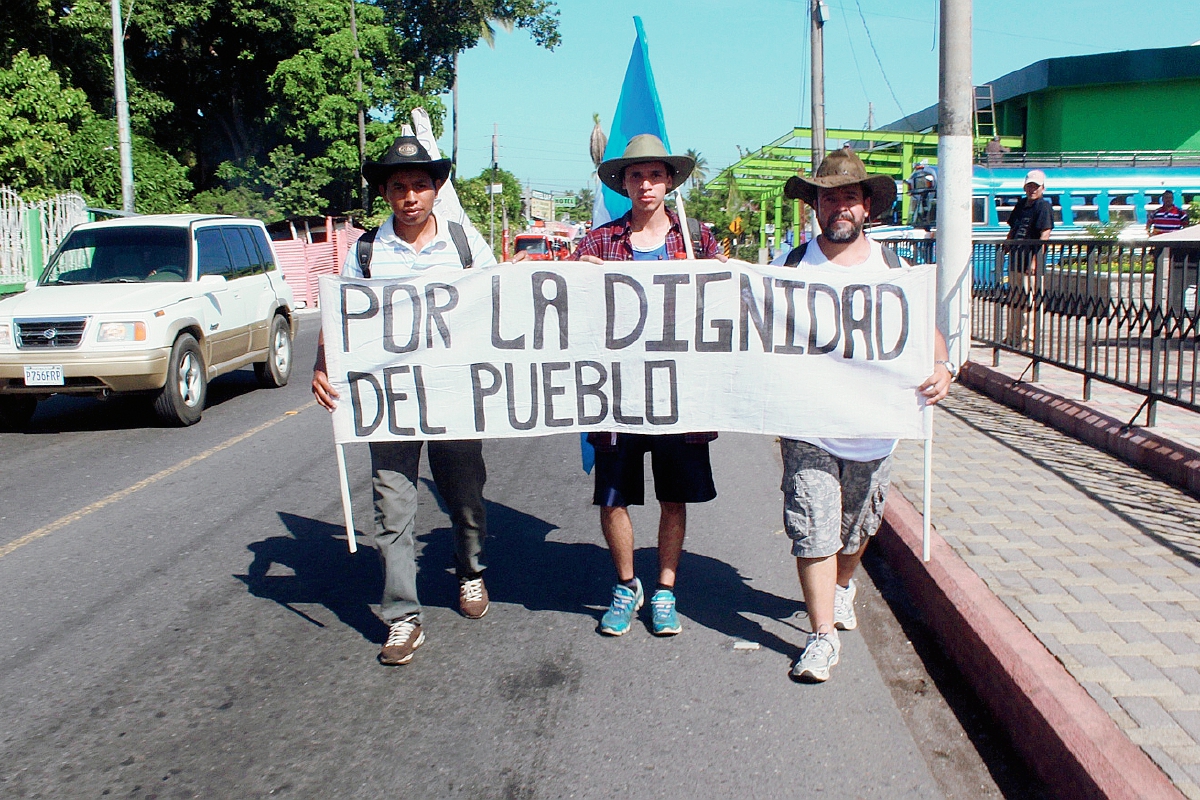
(415, 237)
(834, 489)
(649, 231)
(1032, 218)
(1167, 217)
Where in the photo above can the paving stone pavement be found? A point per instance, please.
(1098, 559)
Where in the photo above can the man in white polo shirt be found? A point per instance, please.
(415, 237)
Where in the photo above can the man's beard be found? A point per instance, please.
(842, 235)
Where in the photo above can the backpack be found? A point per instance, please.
(797, 255)
(365, 242)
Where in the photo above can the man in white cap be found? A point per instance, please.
(834, 489)
(414, 238)
(645, 173)
(1032, 218)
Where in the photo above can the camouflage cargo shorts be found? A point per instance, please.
(830, 505)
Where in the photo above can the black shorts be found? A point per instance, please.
(682, 472)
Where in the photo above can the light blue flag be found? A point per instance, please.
(638, 111)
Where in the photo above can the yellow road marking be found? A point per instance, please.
(75, 516)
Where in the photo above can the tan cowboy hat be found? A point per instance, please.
(406, 151)
(843, 167)
(642, 148)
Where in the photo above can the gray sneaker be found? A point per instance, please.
(843, 607)
(821, 652)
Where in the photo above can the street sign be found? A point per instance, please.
(495, 188)
(569, 201)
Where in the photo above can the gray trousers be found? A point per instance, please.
(459, 473)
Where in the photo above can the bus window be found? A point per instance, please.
(1004, 207)
(1056, 208)
(1120, 208)
(1083, 208)
(979, 210)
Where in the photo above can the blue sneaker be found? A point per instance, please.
(664, 620)
(625, 602)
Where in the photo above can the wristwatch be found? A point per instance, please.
(950, 367)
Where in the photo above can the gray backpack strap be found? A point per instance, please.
(796, 256)
(363, 249)
(891, 258)
(459, 237)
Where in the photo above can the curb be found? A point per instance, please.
(1169, 461)
(1067, 739)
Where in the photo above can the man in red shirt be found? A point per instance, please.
(1167, 217)
(645, 173)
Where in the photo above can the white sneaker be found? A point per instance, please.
(821, 652)
(843, 607)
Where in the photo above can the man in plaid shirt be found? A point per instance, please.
(645, 173)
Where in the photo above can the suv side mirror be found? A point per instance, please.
(212, 281)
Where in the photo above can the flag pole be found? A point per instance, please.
(927, 489)
(345, 486)
(683, 225)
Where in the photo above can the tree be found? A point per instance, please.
(472, 193)
(700, 171)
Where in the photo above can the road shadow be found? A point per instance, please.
(528, 569)
(74, 414)
(311, 565)
(323, 571)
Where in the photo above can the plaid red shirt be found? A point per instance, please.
(610, 242)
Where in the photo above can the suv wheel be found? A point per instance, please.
(16, 411)
(181, 401)
(275, 371)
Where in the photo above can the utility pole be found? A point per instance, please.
(362, 121)
(124, 137)
(492, 185)
(820, 12)
(956, 107)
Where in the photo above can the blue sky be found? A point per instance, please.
(731, 74)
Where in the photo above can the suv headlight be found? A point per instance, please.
(122, 332)
(5, 334)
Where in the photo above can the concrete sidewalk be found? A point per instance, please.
(1097, 559)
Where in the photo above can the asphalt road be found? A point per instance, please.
(181, 618)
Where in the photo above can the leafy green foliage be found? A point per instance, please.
(472, 193)
(252, 102)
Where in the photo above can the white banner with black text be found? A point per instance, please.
(537, 348)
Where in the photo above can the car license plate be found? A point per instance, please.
(44, 375)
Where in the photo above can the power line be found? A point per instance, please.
(878, 60)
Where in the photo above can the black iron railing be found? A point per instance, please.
(1125, 313)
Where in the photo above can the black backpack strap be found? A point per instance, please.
(796, 256)
(363, 249)
(459, 237)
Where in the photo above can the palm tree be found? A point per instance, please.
(488, 34)
(700, 171)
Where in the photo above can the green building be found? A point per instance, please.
(1133, 100)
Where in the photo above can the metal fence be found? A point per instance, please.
(29, 232)
(1125, 313)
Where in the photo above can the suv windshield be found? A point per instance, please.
(120, 255)
(535, 246)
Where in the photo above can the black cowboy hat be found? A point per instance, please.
(406, 151)
(843, 167)
(641, 149)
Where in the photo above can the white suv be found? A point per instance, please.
(154, 304)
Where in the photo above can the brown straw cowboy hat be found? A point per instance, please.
(642, 148)
(406, 151)
(843, 167)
